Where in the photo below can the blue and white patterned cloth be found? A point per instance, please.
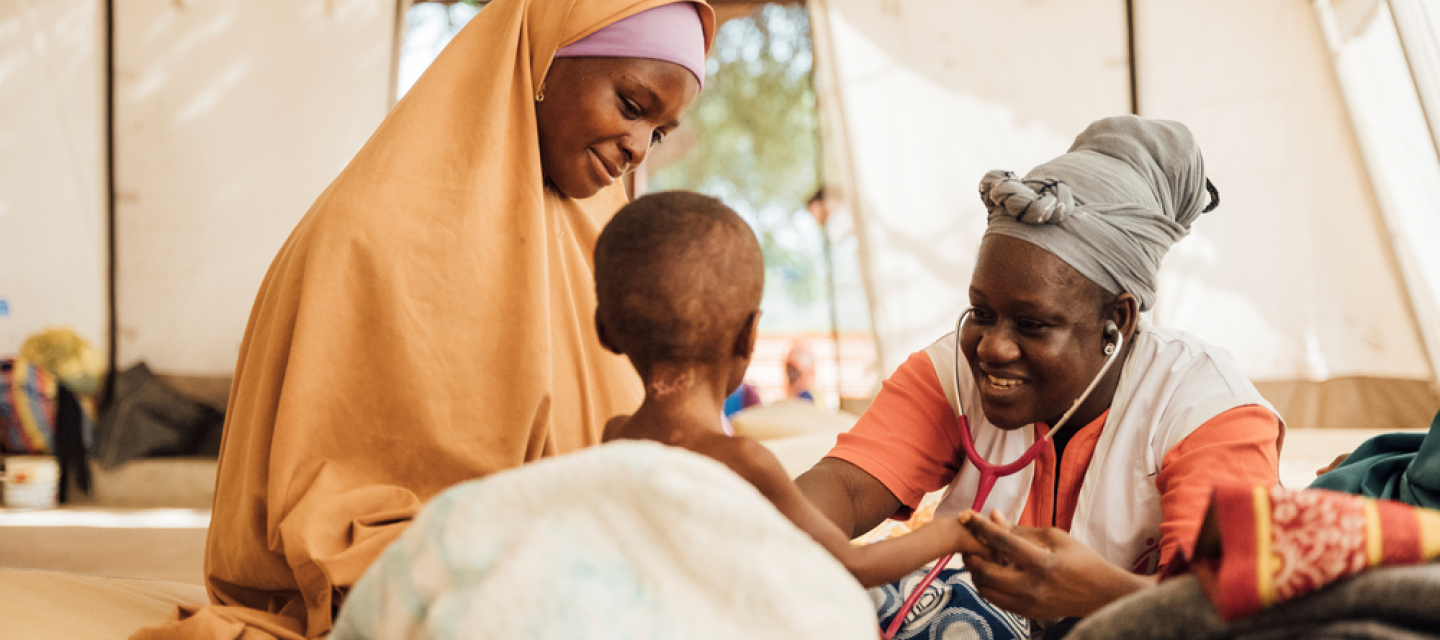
(951, 609)
(631, 540)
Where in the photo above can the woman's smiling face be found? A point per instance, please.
(600, 116)
(1035, 337)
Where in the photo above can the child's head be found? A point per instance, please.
(678, 278)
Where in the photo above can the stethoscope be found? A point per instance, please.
(990, 472)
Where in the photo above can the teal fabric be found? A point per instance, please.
(1393, 466)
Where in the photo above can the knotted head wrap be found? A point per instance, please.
(1112, 206)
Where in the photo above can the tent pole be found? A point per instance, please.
(397, 48)
(834, 307)
(824, 219)
(1130, 51)
(832, 114)
(113, 330)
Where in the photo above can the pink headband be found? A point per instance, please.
(669, 32)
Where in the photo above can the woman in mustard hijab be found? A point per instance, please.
(430, 320)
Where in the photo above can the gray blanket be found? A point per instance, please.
(1399, 602)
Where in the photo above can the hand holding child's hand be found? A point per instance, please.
(1042, 573)
(965, 542)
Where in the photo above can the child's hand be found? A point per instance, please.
(965, 541)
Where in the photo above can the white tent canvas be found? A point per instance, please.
(1314, 272)
(229, 118)
(52, 169)
(1317, 271)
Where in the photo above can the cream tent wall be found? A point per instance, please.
(1318, 272)
(1302, 280)
(52, 169)
(230, 117)
(930, 96)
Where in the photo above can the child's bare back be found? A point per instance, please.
(678, 283)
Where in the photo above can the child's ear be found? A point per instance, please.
(605, 339)
(745, 340)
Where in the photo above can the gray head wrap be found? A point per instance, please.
(1112, 206)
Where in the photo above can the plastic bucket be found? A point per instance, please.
(31, 482)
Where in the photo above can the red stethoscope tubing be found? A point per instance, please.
(989, 472)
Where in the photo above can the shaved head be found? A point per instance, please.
(677, 277)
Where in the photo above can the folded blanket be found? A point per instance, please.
(1394, 466)
(1393, 603)
(1275, 544)
(628, 540)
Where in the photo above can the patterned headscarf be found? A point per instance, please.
(1127, 190)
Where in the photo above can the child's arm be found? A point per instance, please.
(875, 564)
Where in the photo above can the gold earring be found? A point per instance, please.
(540, 95)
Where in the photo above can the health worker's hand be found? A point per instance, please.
(1043, 573)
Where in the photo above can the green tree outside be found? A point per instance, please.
(756, 145)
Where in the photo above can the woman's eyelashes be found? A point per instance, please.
(632, 111)
(1031, 327)
(629, 108)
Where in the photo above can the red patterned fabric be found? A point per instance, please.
(1276, 544)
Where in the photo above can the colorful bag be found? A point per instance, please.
(28, 402)
(40, 416)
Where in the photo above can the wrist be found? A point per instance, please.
(1122, 584)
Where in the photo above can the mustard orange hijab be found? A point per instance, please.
(429, 321)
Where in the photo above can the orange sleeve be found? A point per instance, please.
(908, 438)
(1239, 445)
